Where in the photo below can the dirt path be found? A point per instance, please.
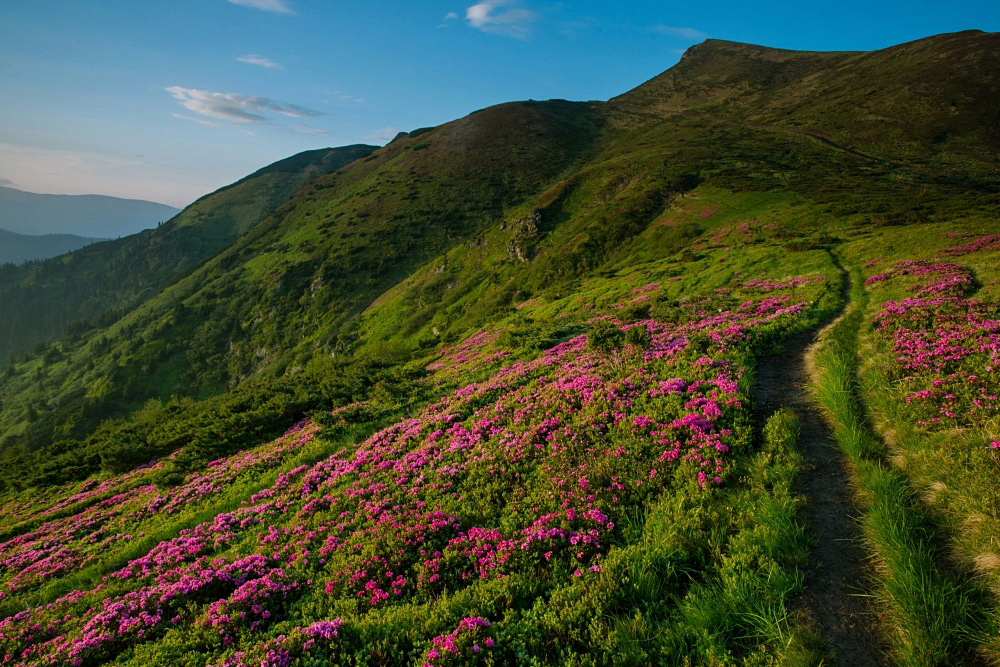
(836, 581)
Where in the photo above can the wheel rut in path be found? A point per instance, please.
(834, 597)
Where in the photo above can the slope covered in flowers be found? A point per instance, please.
(576, 504)
(947, 345)
(928, 350)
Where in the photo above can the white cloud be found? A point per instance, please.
(236, 108)
(491, 16)
(384, 135)
(260, 61)
(450, 16)
(276, 6)
(683, 33)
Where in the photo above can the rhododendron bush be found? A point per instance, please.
(946, 346)
(493, 523)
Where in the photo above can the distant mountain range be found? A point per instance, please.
(105, 280)
(94, 216)
(19, 248)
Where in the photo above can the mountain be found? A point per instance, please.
(99, 283)
(514, 200)
(20, 248)
(539, 385)
(95, 216)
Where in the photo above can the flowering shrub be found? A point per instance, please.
(989, 242)
(526, 476)
(283, 649)
(107, 513)
(462, 645)
(946, 345)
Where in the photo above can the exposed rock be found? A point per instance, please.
(524, 229)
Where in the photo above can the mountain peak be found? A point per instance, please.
(716, 70)
(944, 67)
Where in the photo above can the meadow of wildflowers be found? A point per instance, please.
(505, 519)
(946, 345)
(926, 344)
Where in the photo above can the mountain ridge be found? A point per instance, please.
(95, 216)
(520, 198)
(19, 248)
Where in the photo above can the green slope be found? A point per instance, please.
(99, 283)
(433, 295)
(279, 293)
(468, 219)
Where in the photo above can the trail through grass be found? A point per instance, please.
(832, 603)
(932, 615)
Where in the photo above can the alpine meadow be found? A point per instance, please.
(707, 374)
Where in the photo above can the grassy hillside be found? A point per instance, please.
(538, 193)
(279, 294)
(594, 478)
(96, 285)
(513, 360)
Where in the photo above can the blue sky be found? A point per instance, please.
(169, 100)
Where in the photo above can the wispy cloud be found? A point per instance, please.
(344, 97)
(683, 33)
(383, 135)
(236, 108)
(311, 131)
(201, 121)
(574, 26)
(501, 17)
(276, 6)
(450, 16)
(260, 61)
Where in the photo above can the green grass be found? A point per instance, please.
(932, 614)
(528, 220)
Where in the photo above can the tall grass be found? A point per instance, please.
(933, 616)
(749, 597)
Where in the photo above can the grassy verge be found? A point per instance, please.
(932, 615)
(781, 531)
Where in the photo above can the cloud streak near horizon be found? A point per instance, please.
(275, 6)
(236, 108)
(383, 135)
(260, 61)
